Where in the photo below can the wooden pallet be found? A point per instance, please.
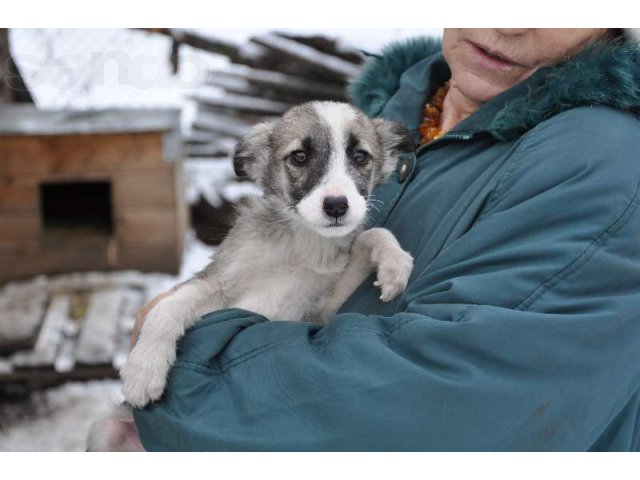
(82, 326)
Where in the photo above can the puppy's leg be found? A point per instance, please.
(145, 374)
(376, 248)
(116, 432)
(393, 264)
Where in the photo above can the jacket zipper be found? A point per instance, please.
(463, 136)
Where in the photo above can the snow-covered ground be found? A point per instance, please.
(56, 420)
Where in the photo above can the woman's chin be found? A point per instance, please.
(478, 85)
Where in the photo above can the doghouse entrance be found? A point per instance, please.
(76, 206)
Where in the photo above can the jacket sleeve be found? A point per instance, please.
(522, 334)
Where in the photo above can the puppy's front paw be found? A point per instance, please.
(394, 270)
(144, 376)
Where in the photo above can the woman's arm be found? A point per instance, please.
(522, 334)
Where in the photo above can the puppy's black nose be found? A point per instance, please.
(335, 206)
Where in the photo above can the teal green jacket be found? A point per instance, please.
(520, 327)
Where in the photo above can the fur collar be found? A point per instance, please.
(605, 73)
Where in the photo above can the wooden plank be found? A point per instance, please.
(212, 99)
(330, 45)
(58, 240)
(18, 196)
(65, 359)
(18, 228)
(241, 86)
(36, 378)
(22, 310)
(277, 81)
(213, 149)
(28, 120)
(145, 188)
(182, 212)
(133, 301)
(74, 239)
(197, 137)
(304, 54)
(231, 84)
(146, 225)
(16, 265)
(71, 154)
(155, 258)
(49, 338)
(159, 253)
(201, 41)
(96, 342)
(222, 124)
(90, 172)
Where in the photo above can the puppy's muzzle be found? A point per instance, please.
(335, 207)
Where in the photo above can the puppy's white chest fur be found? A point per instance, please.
(282, 273)
(285, 296)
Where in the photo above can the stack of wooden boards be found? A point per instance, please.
(71, 327)
(267, 75)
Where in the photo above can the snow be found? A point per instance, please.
(58, 419)
(207, 177)
(197, 256)
(101, 326)
(20, 312)
(216, 181)
(106, 68)
(71, 68)
(235, 191)
(51, 334)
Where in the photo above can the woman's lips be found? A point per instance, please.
(492, 60)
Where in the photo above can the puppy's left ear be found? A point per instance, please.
(253, 151)
(395, 140)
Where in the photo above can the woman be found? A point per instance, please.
(519, 329)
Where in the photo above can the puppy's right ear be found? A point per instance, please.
(252, 152)
(395, 139)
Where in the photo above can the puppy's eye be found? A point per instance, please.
(299, 157)
(360, 157)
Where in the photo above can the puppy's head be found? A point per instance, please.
(321, 161)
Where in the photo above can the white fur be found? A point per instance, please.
(336, 182)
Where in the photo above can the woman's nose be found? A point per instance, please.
(512, 31)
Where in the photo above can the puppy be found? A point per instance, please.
(296, 253)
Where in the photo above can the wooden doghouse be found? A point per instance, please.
(96, 190)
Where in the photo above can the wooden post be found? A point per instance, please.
(12, 86)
